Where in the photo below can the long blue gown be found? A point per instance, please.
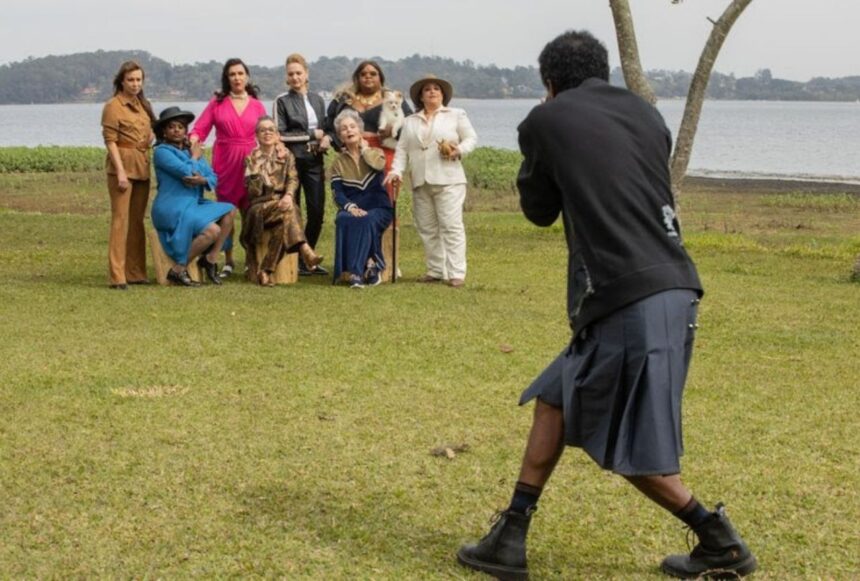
(357, 239)
(180, 212)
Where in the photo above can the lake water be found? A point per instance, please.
(802, 140)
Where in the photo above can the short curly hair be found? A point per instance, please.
(348, 114)
(572, 57)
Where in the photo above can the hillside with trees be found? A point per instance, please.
(87, 77)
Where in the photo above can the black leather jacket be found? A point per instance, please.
(291, 118)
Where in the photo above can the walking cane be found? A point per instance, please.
(396, 189)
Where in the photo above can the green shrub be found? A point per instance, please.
(51, 159)
(489, 168)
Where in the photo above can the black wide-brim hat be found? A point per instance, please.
(418, 86)
(171, 114)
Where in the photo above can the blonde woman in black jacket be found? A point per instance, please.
(300, 118)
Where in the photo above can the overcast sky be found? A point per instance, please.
(796, 39)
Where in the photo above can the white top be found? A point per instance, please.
(418, 147)
(313, 122)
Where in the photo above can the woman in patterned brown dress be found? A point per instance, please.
(272, 181)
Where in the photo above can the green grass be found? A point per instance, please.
(287, 432)
(811, 201)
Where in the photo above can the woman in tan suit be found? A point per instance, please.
(127, 129)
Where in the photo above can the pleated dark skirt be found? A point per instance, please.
(621, 382)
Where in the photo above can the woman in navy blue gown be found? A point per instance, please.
(189, 226)
(364, 209)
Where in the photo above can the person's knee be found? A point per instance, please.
(547, 412)
(213, 231)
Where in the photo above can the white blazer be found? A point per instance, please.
(418, 147)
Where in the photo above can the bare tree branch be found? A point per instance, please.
(696, 94)
(628, 50)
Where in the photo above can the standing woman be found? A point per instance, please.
(127, 129)
(432, 143)
(300, 118)
(233, 112)
(364, 95)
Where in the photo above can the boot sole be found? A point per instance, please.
(742, 569)
(497, 571)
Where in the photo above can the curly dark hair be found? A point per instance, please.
(253, 90)
(356, 74)
(572, 57)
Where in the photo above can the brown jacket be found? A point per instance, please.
(126, 123)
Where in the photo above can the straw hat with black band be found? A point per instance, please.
(418, 86)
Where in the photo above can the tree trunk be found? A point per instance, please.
(628, 50)
(696, 94)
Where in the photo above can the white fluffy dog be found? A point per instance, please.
(391, 116)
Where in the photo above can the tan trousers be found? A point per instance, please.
(127, 241)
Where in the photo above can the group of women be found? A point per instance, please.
(262, 164)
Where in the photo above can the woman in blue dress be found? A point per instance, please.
(364, 209)
(189, 226)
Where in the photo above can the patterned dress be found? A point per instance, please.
(268, 179)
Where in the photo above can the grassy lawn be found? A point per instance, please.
(287, 432)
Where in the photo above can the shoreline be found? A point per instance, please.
(768, 185)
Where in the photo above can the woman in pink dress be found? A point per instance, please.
(233, 112)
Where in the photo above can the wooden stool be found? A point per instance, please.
(388, 251)
(164, 263)
(287, 270)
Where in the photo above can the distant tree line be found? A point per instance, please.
(87, 77)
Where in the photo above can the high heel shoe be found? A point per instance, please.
(265, 278)
(181, 278)
(209, 268)
(309, 257)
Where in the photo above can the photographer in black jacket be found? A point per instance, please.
(598, 156)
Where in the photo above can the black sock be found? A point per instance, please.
(693, 514)
(525, 497)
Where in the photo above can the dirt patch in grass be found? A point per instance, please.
(55, 193)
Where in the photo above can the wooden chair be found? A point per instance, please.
(164, 263)
(287, 271)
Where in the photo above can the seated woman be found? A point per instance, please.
(188, 224)
(272, 181)
(364, 207)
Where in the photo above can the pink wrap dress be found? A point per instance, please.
(234, 140)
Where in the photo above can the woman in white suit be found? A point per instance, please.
(432, 143)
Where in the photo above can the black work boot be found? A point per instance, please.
(720, 554)
(502, 553)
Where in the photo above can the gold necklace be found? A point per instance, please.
(368, 100)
